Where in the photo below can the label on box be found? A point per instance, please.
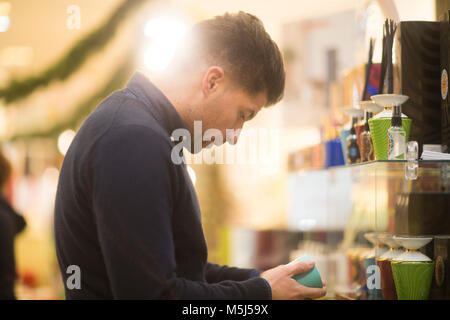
(444, 84)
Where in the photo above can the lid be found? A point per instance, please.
(353, 112)
(412, 244)
(379, 251)
(372, 237)
(387, 113)
(388, 239)
(370, 106)
(389, 100)
(412, 256)
(369, 253)
(391, 254)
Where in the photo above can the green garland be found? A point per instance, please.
(74, 58)
(118, 79)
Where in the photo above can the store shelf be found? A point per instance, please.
(359, 198)
(383, 164)
(365, 194)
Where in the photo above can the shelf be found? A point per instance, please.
(360, 196)
(386, 167)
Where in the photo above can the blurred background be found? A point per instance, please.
(59, 59)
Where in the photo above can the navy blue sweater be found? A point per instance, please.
(128, 217)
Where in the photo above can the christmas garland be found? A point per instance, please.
(118, 79)
(73, 59)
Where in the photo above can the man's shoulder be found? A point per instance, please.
(132, 149)
(134, 135)
(121, 109)
(121, 118)
(140, 135)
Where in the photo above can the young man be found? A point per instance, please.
(126, 214)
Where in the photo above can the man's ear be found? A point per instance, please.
(214, 76)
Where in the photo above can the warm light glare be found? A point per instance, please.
(5, 8)
(64, 141)
(374, 23)
(306, 224)
(164, 35)
(4, 23)
(192, 174)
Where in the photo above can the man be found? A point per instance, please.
(126, 214)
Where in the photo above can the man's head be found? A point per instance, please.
(236, 69)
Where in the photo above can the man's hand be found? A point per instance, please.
(284, 287)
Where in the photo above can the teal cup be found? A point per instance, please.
(309, 279)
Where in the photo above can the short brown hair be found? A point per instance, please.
(240, 42)
(5, 170)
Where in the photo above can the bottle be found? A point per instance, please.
(353, 155)
(366, 150)
(396, 136)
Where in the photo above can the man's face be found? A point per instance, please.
(224, 105)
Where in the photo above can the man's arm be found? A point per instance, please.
(216, 273)
(132, 200)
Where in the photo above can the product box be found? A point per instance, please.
(440, 287)
(417, 71)
(422, 213)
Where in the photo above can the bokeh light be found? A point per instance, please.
(164, 35)
(64, 141)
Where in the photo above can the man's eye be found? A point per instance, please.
(242, 116)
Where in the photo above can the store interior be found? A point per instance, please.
(299, 181)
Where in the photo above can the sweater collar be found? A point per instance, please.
(156, 102)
